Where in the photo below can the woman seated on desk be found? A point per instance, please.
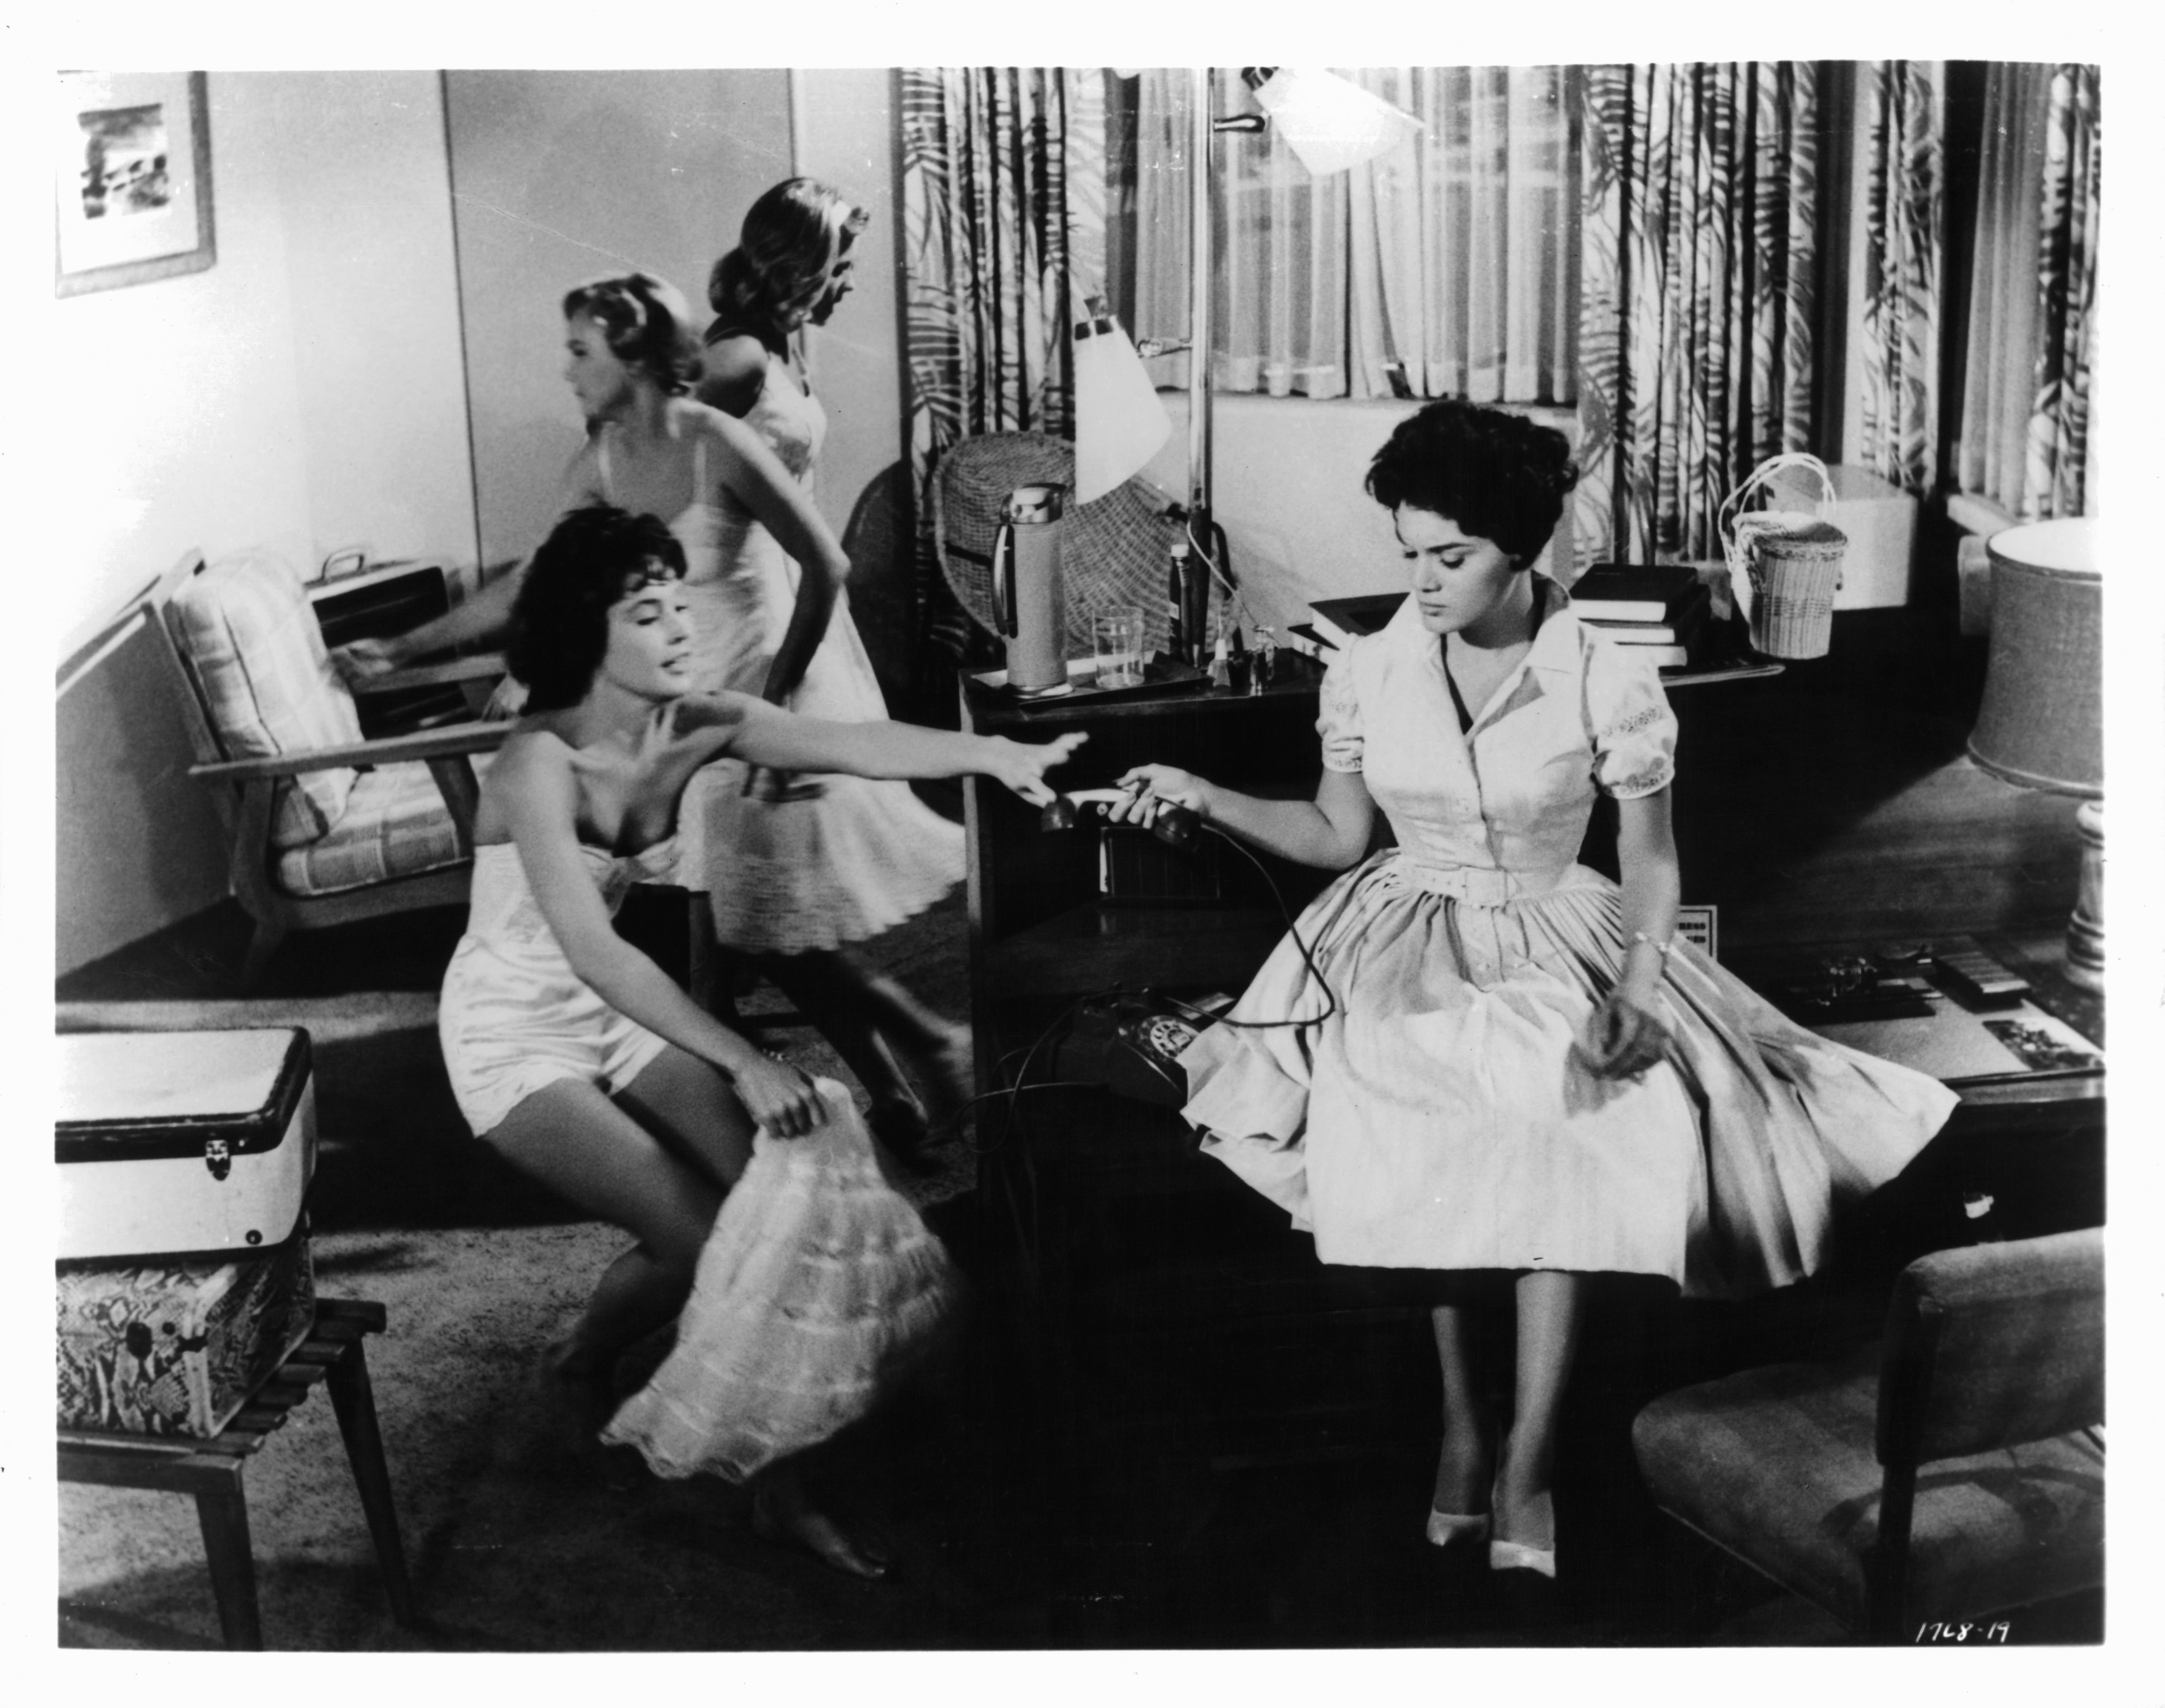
(1476, 1056)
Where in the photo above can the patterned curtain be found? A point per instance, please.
(1444, 269)
(1695, 333)
(2058, 437)
(987, 157)
(1903, 234)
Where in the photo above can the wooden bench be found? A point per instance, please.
(211, 1469)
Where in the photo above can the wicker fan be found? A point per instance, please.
(1112, 551)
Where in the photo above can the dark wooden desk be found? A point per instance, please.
(1044, 930)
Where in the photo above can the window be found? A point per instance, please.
(1448, 268)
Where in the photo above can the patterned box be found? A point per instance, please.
(174, 1347)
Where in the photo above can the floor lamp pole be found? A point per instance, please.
(1199, 178)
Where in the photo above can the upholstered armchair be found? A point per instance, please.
(1951, 1472)
(326, 827)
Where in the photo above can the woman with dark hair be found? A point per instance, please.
(799, 875)
(1477, 1058)
(569, 1052)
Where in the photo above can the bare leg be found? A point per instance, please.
(573, 1139)
(1464, 1467)
(1550, 1303)
(781, 1511)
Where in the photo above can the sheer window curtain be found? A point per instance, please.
(1445, 269)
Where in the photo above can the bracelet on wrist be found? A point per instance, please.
(1662, 947)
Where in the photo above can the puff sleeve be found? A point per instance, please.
(1339, 723)
(1633, 730)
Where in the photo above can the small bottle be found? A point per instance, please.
(1221, 666)
(1237, 660)
(1264, 666)
(1176, 639)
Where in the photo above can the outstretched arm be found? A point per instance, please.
(533, 778)
(1331, 831)
(773, 494)
(766, 735)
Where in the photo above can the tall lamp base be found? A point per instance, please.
(2086, 929)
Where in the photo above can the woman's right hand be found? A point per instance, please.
(1152, 788)
(362, 660)
(779, 1097)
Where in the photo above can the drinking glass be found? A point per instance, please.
(1116, 636)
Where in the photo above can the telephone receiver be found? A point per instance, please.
(1003, 587)
(1174, 826)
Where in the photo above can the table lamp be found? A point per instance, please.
(2042, 722)
(1331, 125)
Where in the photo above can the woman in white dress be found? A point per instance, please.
(802, 872)
(582, 1063)
(1498, 1059)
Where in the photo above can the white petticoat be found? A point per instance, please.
(818, 1287)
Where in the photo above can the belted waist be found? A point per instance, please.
(1483, 887)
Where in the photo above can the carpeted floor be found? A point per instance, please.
(513, 1549)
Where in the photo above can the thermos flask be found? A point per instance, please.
(1029, 597)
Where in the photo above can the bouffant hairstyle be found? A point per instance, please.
(592, 559)
(1498, 476)
(791, 236)
(647, 323)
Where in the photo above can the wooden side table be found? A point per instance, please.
(211, 1469)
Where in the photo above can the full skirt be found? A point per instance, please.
(1443, 1117)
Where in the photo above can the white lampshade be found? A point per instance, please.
(1330, 124)
(1119, 422)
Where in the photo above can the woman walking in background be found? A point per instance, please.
(815, 865)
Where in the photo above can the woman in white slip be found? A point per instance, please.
(580, 1060)
(1479, 1059)
(846, 858)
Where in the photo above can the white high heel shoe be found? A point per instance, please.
(1453, 1529)
(1522, 1557)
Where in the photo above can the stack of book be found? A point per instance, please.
(1662, 607)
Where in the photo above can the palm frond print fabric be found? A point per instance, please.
(1904, 237)
(988, 321)
(2058, 440)
(1695, 343)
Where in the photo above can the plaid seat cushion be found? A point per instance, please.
(395, 826)
(252, 639)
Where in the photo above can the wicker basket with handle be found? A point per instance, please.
(1784, 565)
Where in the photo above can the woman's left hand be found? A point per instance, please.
(1022, 764)
(1622, 1038)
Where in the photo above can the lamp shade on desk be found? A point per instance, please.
(2042, 722)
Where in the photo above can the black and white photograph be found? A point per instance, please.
(1067, 861)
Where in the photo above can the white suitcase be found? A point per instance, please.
(198, 1142)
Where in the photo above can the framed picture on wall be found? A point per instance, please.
(131, 179)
